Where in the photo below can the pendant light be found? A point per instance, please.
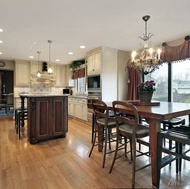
(38, 72)
(49, 65)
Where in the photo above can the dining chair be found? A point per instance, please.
(9, 101)
(106, 124)
(170, 123)
(130, 128)
(181, 136)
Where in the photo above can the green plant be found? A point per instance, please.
(147, 86)
(76, 64)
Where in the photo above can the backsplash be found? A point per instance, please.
(40, 87)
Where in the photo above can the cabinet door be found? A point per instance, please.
(71, 107)
(90, 62)
(78, 109)
(84, 111)
(60, 115)
(94, 61)
(61, 76)
(97, 62)
(43, 119)
(22, 73)
(81, 109)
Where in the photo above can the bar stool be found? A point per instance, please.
(18, 118)
(106, 123)
(170, 123)
(181, 137)
(129, 127)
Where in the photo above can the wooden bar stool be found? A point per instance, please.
(170, 123)
(181, 137)
(18, 118)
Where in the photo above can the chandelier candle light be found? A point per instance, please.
(148, 60)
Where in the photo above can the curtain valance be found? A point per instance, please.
(78, 73)
(176, 53)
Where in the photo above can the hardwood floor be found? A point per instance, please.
(63, 163)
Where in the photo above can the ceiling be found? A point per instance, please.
(28, 25)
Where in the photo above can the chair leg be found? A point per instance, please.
(134, 161)
(115, 155)
(105, 146)
(180, 152)
(93, 144)
(19, 128)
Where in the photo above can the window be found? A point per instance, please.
(172, 82)
(80, 84)
(160, 77)
(181, 81)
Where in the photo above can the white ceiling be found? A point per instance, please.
(93, 23)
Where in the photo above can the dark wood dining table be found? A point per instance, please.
(154, 113)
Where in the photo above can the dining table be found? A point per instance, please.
(154, 113)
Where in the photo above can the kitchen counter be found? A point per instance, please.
(76, 96)
(47, 116)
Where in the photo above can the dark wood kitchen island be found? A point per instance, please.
(47, 116)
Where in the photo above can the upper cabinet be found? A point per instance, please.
(94, 62)
(22, 73)
(26, 71)
(61, 75)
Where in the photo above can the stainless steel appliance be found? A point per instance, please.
(94, 82)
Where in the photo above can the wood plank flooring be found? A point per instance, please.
(63, 163)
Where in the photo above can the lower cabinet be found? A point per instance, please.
(78, 108)
(47, 117)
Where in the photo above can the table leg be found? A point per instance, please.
(154, 129)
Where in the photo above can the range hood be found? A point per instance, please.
(43, 77)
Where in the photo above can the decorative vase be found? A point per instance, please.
(145, 96)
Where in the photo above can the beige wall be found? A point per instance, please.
(9, 65)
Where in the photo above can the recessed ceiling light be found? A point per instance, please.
(82, 47)
(70, 53)
(57, 60)
(1, 53)
(31, 57)
(1, 30)
(1, 41)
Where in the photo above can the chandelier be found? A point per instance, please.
(38, 72)
(148, 60)
(49, 65)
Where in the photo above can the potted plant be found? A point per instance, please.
(76, 64)
(145, 90)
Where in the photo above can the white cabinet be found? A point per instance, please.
(94, 62)
(22, 73)
(61, 76)
(81, 109)
(34, 67)
(71, 106)
(77, 108)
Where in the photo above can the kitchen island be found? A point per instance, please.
(47, 116)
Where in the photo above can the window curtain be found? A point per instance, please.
(176, 53)
(134, 80)
(78, 73)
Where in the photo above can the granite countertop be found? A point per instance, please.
(77, 96)
(39, 95)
